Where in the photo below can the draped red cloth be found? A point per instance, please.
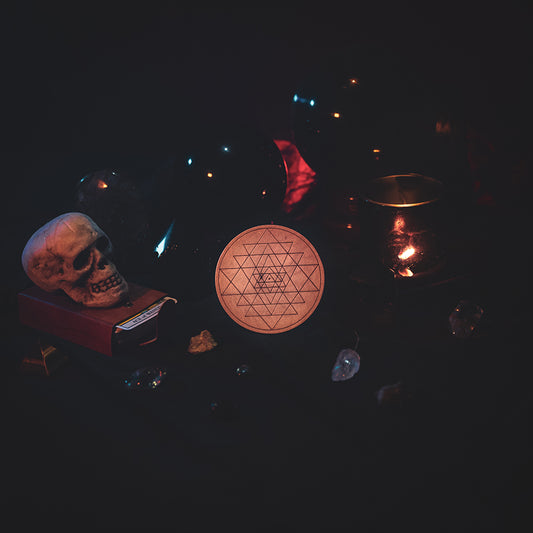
(301, 178)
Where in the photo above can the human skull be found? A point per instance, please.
(71, 253)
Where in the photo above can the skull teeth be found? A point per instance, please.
(106, 284)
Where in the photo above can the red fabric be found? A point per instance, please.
(300, 176)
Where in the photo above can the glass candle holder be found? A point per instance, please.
(402, 222)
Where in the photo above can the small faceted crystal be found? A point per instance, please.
(346, 365)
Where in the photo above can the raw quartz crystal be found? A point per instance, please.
(204, 342)
(346, 365)
(464, 318)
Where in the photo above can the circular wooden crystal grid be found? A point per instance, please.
(269, 279)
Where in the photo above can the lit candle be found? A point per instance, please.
(405, 272)
(406, 253)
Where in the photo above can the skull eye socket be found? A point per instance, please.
(102, 243)
(82, 259)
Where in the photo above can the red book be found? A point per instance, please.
(99, 329)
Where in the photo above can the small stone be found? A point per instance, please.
(346, 365)
(242, 370)
(145, 379)
(204, 342)
(392, 394)
(464, 318)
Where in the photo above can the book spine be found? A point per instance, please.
(66, 324)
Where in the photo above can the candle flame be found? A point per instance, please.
(406, 253)
(406, 272)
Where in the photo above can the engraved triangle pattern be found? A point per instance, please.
(270, 280)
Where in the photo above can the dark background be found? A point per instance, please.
(83, 83)
(118, 77)
(124, 80)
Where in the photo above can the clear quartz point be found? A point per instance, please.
(464, 318)
(346, 365)
(145, 378)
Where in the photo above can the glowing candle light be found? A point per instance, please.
(406, 272)
(406, 236)
(406, 253)
(399, 224)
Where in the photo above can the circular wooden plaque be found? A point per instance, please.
(269, 279)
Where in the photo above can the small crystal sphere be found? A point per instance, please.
(242, 370)
(145, 379)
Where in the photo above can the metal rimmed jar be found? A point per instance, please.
(402, 220)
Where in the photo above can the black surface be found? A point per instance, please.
(88, 89)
